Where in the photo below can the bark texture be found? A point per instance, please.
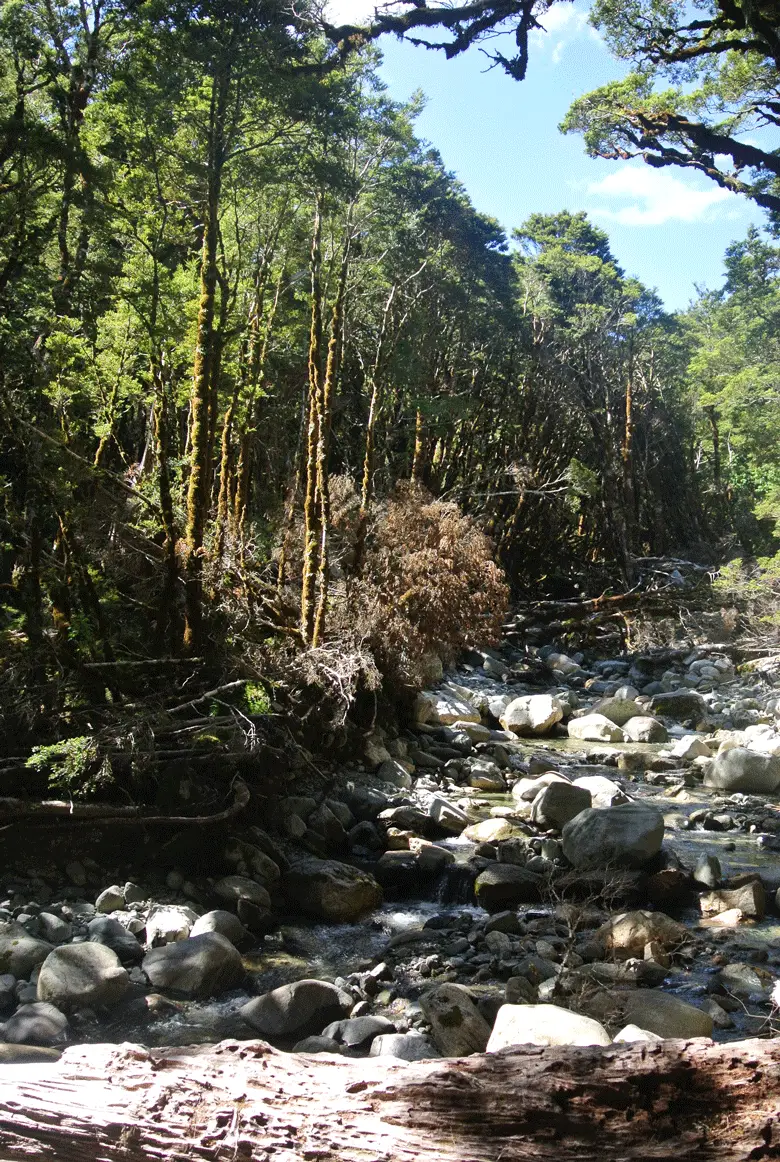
(244, 1100)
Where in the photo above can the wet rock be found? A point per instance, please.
(111, 899)
(108, 931)
(659, 1012)
(36, 1024)
(624, 836)
(627, 935)
(645, 729)
(447, 816)
(492, 831)
(486, 776)
(403, 1046)
(20, 952)
(296, 1010)
(201, 966)
(78, 976)
(502, 886)
(167, 924)
(330, 890)
(741, 980)
(357, 1032)
(603, 791)
(749, 898)
(458, 1026)
(534, 714)
(678, 704)
(707, 872)
(557, 803)
(594, 728)
(745, 770)
(226, 924)
(544, 1025)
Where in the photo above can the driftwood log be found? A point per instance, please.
(244, 1100)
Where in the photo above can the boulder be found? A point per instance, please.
(76, 976)
(632, 1033)
(356, 1032)
(678, 704)
(111, 899)
(526, 790)
(169, 923)
(201, 966)
(557, 803)
(740, 769)
(603, 792)
(226, 924)
(247, 858)
(36, 1024)
(742, 980)
(544, 1025)
(19, 951)
(403, 1046)
(329, 890)
(532, 714)
(444, 706)
(108, 931)
(296, 1010)
(661, 1013)
(492, 831)
(594, 728)
(749, 898)
(624, 836)
(626, 935)
(458, 1026)
(707, 873)
(234, 889)
(645, 729)
(619, 710)
(503, 885)
(54, 929)
(691, 747)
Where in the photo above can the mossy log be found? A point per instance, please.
(244, 1100)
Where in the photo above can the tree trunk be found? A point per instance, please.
(675, 1100)
(202, 377)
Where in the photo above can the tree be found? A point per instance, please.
(724, 61)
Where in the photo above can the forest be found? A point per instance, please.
(288, 429)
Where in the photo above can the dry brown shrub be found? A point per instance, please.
(428, 585)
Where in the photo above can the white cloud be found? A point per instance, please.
(655, 196)
(349, 11)
(563, 24)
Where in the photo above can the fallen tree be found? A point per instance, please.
(244, 1100)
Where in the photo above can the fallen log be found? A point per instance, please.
(673, 1100)
(56, 813)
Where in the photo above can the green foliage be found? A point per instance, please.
(256, 699)
(74, 766)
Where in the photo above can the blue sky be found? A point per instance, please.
(667, 227)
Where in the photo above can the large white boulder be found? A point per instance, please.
(532, 714)
(740, 769)
(544, 1025)
(595, 728)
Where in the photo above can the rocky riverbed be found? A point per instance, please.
(557, 849)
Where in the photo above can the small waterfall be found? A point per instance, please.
(456, 884)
